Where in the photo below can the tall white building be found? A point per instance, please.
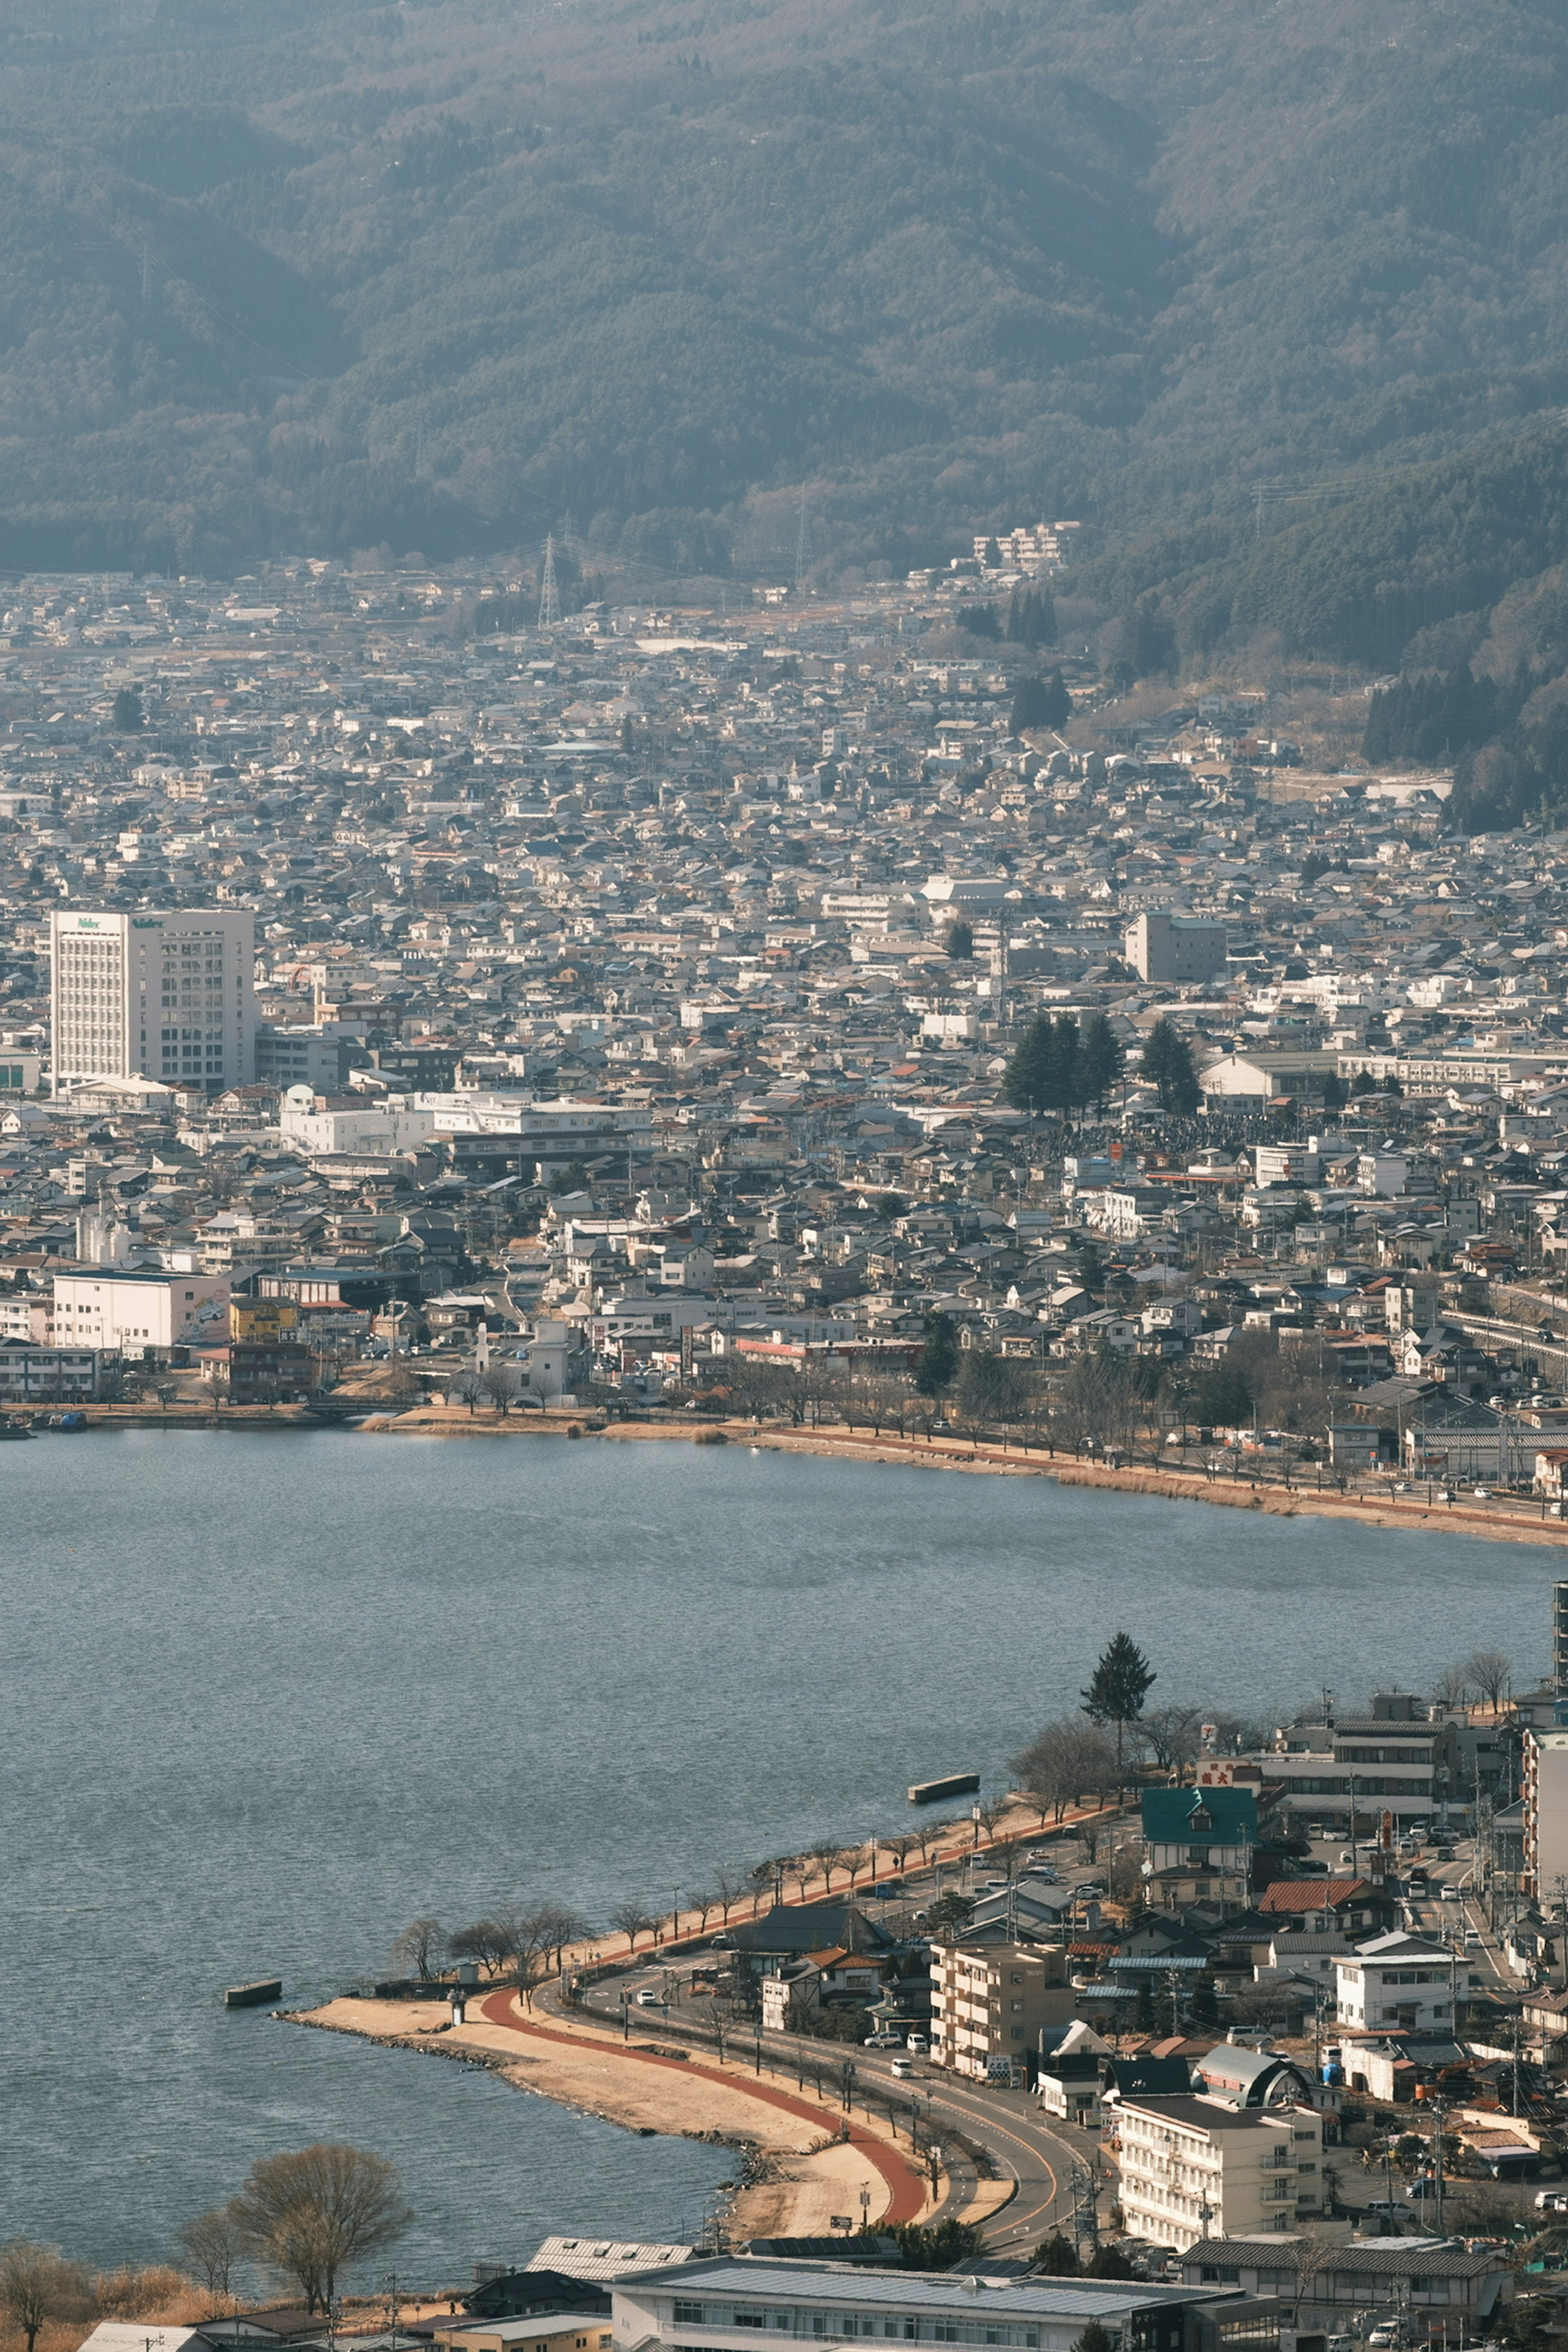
(167, 996)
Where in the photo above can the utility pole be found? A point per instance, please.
(800, 545)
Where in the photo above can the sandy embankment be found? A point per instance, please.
(810, 2173)
(1500, 1523)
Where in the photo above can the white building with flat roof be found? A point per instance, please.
(137, 1314)
(168, 996)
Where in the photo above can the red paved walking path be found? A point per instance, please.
(906, 2187)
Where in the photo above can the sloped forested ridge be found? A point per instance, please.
(274, 275)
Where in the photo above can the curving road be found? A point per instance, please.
(1021, 2149)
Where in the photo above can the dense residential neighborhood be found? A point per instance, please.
(747, 1009)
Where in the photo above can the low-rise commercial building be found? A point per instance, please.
(729, 2305)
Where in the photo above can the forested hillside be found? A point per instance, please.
(1277, 300)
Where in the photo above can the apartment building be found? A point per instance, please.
(1175, 948)
(1545, 1794)
(169, 996)
(989, 2002)
(1197, 2168)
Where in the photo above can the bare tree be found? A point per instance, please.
(631, 1920)
(827, 1855)
(1171, 1733)
(467, 1388)
(210, 2247)
(727, 1892)
(901, 1847)
(418, 1948)
(1452, 1686)
(1491, 1673)
(1068, 1759)
(310, 2213)
(703, 1904)
(488, 1941)
(1313, 2254)
(503, 1384)
(37, 2285)
(990, 1814)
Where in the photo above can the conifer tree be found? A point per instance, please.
(1117, 1687)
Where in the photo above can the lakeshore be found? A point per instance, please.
(799, 2169)
(1497, 1519)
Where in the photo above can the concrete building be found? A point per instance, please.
(1440, 2288)
(1197, 2168)
(989, 2002)
(1175, 948)
(1399, 1981)
(168, 996)
(1545, 1795)
(137, 1314)
(32, 1375)
(729, 2302)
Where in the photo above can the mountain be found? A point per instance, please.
(1233, 282)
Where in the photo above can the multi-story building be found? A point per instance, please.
(137, 1314)
(169, 996)
(1399, 1982)
(1395, 1760)
(762, 2304)
(1197, 2168)
(1175, 948)
(989, 2002)
(34, 1375)
(1546, 1776)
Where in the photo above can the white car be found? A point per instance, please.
(903, 2069)
(645, 1997)
(918, 2042)
(1450, 1893)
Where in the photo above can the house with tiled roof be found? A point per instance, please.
(1354, 1906)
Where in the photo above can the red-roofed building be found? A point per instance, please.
(1355, 1905)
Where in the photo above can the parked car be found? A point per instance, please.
(1385, 2205)
(1552, 2201)
(1045, 1872)
(884, 2041)
(918, 2042)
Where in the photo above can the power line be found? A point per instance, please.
(549, 596)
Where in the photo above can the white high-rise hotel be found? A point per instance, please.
(168, 996)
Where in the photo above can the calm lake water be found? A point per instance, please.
(263, 1699)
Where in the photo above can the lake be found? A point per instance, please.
(265, 1698)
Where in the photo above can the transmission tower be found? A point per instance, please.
(549, 596)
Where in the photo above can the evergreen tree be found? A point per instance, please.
(939, 1358)
(127, 715)
(1117, 1687)
(1103, 1058)
(1057, 2258)
(1046, 1071)
(1040, 702)
(980, 620)
(1031, 617)
(960, 940)
(1167, 1063)
(1095, 2338)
